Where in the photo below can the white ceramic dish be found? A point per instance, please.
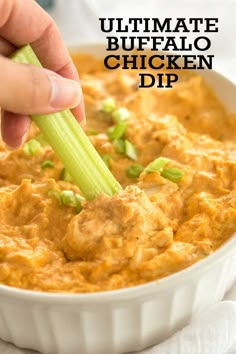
(125, 320)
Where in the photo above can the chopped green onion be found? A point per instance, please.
(117, 131)
(173, 174)
(130, 151)
(121, 115)
(78, 203)
(47, 164)
(56, 194)
(108, 105)
(157, 165)
(68, 198)
(64, 176)
(67, 138)
(134, 171)
(119, 146)
(106, 158)
(92, 132)
(32, 147)
(41, 139)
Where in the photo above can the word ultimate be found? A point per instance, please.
(164, 38)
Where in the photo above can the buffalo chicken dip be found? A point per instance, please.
(174, 153)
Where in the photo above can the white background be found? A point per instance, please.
(78, 21)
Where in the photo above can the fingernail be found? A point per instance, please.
(65, 93)
(83, 123)
(24, 138)
(82, 110)
(17, 146)
(79, 113)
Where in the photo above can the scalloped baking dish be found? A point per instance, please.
(125, 320)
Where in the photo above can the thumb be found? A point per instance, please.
(26, 89)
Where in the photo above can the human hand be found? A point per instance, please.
(25, 89)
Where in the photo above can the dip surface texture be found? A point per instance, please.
(151, 229)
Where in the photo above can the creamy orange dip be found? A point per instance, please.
(151, 229)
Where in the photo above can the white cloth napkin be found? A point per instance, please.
(213, 332)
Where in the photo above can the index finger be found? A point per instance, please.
(24, 21)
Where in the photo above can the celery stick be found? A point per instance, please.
(71, 144)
